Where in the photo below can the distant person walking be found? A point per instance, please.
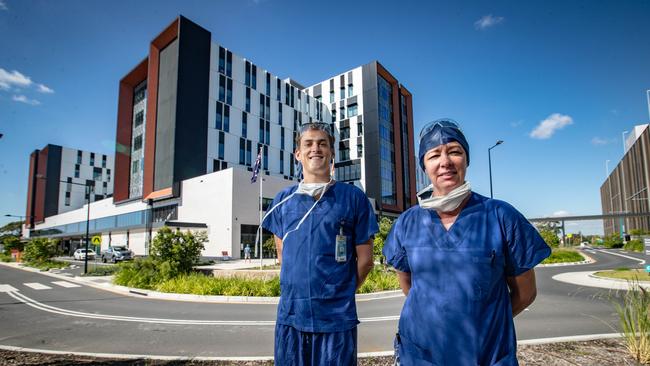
(247, 253)
(464, 261)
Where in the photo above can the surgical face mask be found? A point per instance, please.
(312, 189)
(446, 203)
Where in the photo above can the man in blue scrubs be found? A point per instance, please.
(464, 261)
(323, 233)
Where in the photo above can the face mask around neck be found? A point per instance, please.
(446, 203)
(313, 189)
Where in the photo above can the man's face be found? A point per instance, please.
(315, 154)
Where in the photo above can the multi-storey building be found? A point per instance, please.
(626, 188)
(193, 107)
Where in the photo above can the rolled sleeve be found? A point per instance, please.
(525, 247)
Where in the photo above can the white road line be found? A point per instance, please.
(623, 255)
(37, 286)
(7, 288)
(52, 309)
(65, 284)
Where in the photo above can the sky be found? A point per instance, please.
(558, 81)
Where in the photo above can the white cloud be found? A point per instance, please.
(14, 78)
(487, 21)
(3, 5)
(552, 123)
(44, 89)
(24, 99)
(560, 213)
(597, 141)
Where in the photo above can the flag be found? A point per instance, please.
(256, 167)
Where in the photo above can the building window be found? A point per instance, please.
(219, 119)
(67, 198)
(267, 107)
(282, 138)
(359, 151)
(281, 162)
(221, 144)
(247, 71)
(350, 90)
(342, 113)
(286, 94)
(345, 154)
(268, 133)
(293, 92)
(261, 131)
(331, 96)
(226, 118)
(229, 63)
(278, 90)
(97, 173)
(79, 157)
(103, 161)
(218, 165)
(268, 84)
(359, 129)
(262, 106)
(344, 132)
(248, 99)
(266, 157)
(222, 88)
(342, 92)
(291, 165)
(92, 159)
(137, 143)
(279, 113)
(139, 118)
(108, 175)
(249, 148)
(229, 91)
(244, 124)
(134, 167)
(222, 60)
(242, 151)
(254, 77)
(352, 110)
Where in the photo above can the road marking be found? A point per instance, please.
(37, 286)
(65, 284)
(7, 288)
(52, 309)
(623, 255)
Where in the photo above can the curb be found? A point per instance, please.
(215, 299)
(588, 260)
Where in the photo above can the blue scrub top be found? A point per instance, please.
(316, 291)
(458, 309)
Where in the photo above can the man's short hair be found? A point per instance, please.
(316, 126)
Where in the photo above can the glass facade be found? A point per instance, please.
(137, 143)
(386, 142)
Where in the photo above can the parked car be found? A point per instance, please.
(116, 254)
(80, 254)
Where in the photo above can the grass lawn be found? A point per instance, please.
(625, 274)
(563, 256)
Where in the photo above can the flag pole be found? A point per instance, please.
(261, 210)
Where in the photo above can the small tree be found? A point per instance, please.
(179, 250)
(40, 250)
(385, 224)
(269, 247)
(550, 238)
(12, 242)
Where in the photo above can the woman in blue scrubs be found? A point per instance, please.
(464, 261)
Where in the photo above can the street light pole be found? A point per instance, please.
(499, 142)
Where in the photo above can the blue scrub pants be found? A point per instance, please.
(296, 348)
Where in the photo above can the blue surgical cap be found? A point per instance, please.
(439, 132)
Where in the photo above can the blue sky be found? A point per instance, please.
(500, 68)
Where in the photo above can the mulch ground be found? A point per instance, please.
(606, 352)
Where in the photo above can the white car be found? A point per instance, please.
(80, 254)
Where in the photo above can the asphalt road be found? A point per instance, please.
(85, 319)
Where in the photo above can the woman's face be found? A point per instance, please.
(446, 166)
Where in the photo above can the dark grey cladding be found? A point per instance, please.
(371, 131)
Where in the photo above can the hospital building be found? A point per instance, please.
(191, 118)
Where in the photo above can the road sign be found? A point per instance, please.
(647, 268)
(96, 240)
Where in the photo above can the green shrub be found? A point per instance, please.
(563, 256)
(634, 245)
(379, 280)
(613, 241)
(550, 238)
(40, 250)
(140, 273)
(200, 284)
(6, 257)
(180, 250)
(102, 271)
(12, 242)
(46, 265)
(635, 321)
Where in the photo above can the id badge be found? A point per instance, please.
(341, 245)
